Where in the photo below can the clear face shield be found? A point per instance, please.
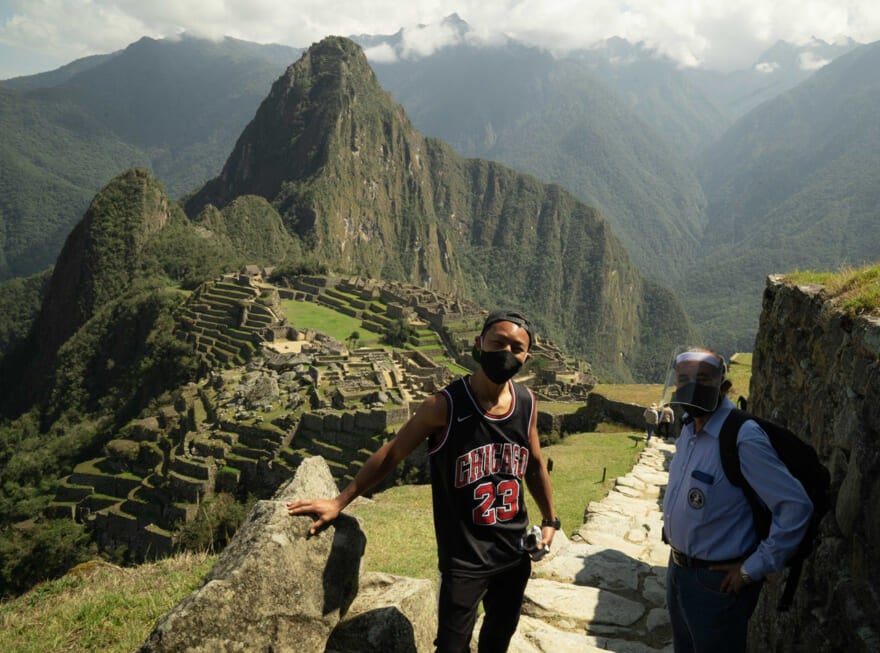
(694, 380)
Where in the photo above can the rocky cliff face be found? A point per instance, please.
(345, 168)
(818, 372)
(365, 193)
(98, 262)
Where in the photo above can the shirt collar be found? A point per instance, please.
(716, 421)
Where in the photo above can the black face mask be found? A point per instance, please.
(699, 400)
(499, 366)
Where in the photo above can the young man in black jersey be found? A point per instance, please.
(483, 449)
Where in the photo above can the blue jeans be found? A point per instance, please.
(704, 619)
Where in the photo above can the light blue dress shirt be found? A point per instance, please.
(707, 517)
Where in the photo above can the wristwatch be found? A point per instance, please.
(554, 523)
(746, 579)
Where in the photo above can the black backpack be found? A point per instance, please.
(803, 463)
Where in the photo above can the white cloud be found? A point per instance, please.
(767, 67)
(694, 32)
(382, 53)
(425, 40)
(810, 61)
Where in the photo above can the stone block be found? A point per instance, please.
(391, 614)
(274, 587)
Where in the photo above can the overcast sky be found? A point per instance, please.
(39, 35)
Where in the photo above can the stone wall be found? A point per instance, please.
(602, 409)
(818, 372)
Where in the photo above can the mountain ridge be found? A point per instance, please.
(366, 193)
(792, 185)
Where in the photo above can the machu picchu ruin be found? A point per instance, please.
(272, 393)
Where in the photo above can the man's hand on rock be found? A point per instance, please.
(326, 511)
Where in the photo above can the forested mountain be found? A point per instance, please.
(105, 310)
(555, 119)
(364, 192)
(793, 185)
(172, 106)
(331, 170)
(778, 69)
(617, 125)
(53, 158)
(660, 92)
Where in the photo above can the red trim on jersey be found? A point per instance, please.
(442, 440)
(490, 416)
(531, 411)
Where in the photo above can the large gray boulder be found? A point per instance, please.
(391, 614)
(273, 588)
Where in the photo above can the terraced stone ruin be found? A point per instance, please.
(272, 394)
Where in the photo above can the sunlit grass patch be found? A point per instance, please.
(853, 291)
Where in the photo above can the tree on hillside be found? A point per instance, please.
(398, 333)
(353, 339)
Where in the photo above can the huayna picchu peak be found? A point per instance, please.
(365, 193)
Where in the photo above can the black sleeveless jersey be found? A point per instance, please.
(477, 469)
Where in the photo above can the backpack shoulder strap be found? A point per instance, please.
(727, 441)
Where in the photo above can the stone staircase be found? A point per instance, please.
(605, 588)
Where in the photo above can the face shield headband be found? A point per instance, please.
(694, 381)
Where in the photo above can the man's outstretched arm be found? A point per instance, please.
(429, 418)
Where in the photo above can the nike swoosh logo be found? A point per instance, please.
(463, 418)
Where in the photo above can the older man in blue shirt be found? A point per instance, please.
(718, 563)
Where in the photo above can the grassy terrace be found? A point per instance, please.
(853, 291)
(325, 319)
(642, 394)
(340, 326)
(579, 463)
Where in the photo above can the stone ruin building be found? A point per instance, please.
(272, 394)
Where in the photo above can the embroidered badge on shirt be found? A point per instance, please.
(696, 498)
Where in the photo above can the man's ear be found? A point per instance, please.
(478, 342)
(725, 386)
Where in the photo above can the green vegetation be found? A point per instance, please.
(408, 548)
(103, 607)
(552, 118)
(559, 407)
(36, 550)
(122, 358)
(217, 520)
(20, 299)
(739, 372)
(32, 462)
(398, 334)
(252, 229)
(791, 186)
(335, 324)
(853, 291)
(642, 394)
(579, 463)
(98, 606)
(62, 143)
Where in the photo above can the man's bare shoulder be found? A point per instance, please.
(433, 411)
